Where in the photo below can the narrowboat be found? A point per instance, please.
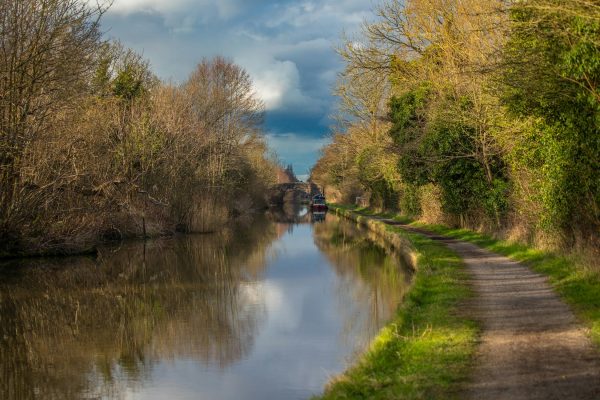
(318, 203)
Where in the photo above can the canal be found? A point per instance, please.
(264, 310)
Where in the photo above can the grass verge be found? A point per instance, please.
(578, 286)
(425, 352)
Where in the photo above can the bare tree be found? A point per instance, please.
(47, 49)
(224, 104)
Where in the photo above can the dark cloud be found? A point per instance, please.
(287, 46)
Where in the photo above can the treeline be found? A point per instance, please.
(93, 145)
(483, 114)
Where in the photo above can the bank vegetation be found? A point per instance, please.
(94, 146)
(484, 115)
(426, 349)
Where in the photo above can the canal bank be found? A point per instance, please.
(531, 344)
(426, 350)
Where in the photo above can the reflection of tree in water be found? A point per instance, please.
(368, 270)
(290, 213)
(80, 327)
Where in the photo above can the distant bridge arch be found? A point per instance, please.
(292, 192)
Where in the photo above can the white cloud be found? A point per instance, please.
(178, 11)
(162, 6)
(350, 13)
(277, 83)
(285, 45)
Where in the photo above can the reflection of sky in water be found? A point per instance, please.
(298, 347)
(265, 312)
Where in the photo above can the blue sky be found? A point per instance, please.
(287, 47)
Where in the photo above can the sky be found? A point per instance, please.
(287, 47)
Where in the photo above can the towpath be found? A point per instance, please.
(532, 346)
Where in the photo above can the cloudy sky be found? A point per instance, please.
(285, 45)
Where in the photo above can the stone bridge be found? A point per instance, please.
(293, 192)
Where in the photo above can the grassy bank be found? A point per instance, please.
(577, 285)
(425, 351)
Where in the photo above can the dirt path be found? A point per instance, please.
(532, 346)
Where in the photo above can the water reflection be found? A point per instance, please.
(290, 213)
(368, 269)
(317, 216)
(110, 320)
(255, 312)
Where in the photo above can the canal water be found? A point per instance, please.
(264, 310)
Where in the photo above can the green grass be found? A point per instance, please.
(367, 211)
(577, 286)
(425, 352)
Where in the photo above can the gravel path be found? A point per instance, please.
(532, 347)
